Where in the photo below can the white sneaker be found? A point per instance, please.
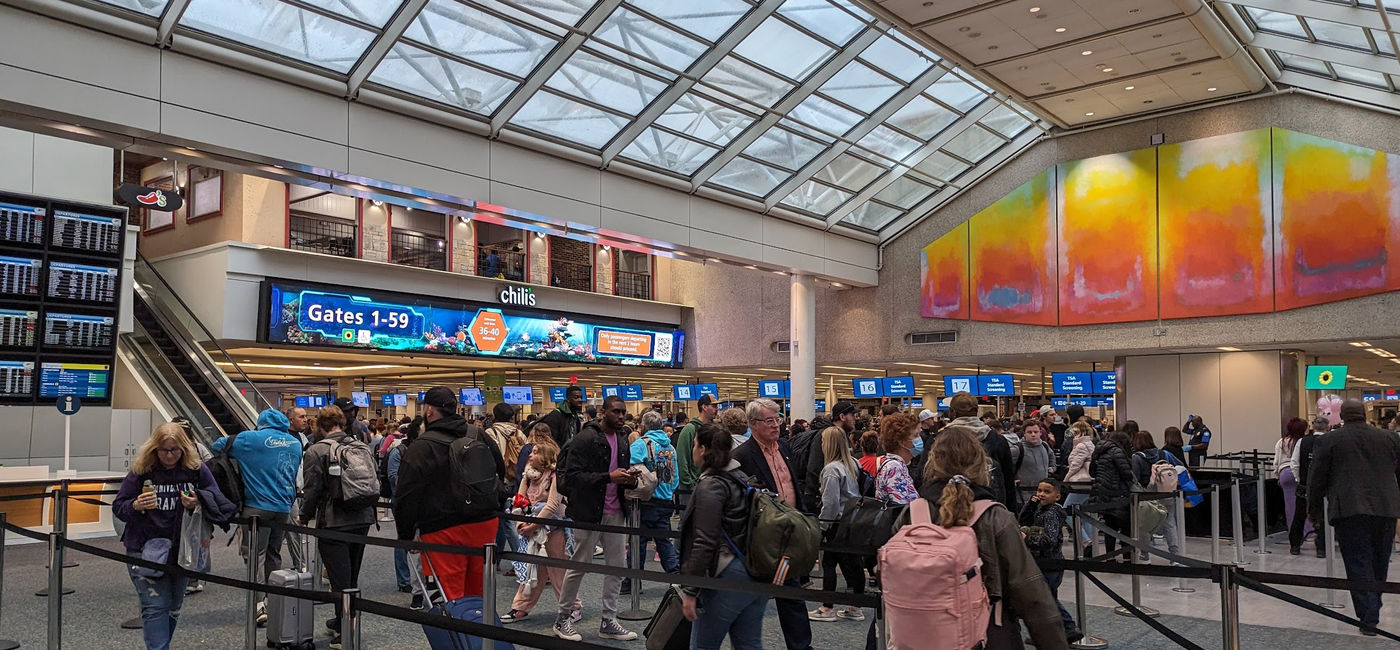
(851, 614)
(609, 629)
(564, 629)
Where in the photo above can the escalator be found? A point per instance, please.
(182, 367)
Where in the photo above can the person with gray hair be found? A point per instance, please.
(1357, 470)
(654, 451)
(767, 457)
(1302, 463)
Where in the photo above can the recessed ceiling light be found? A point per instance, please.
(964, 29)
(1129, 87)
(1089, 114)
(1211, 89)
(1108, 69)
(1035, 9)
(1087, 52)
(1225, 348)
(1059, 30)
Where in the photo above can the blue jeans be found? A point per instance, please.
(735, 614)
(654, 518)
(1366, 542)
(1054, 578)
(160, 606)
(402, 578)
(1086, 532)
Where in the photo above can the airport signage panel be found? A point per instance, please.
(872, 387)
(898, 386)
(558, 394)
(1392, 394)
(916, 403)
(360, 399)
(708, 389)
(472, 397)
(1071, 383)
(996, 385)
(612, 391)
(775, 389)
(632, 392)
(1059, 403)
(684, 392)
(519, 395)
(1370, 397)
(1326, 378)
(298, 313)
(821, 406)
(954, 384)
(1105, 382)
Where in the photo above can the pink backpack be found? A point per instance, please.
(931, 582)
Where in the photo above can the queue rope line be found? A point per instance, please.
(1151, 622)
(1245, 580)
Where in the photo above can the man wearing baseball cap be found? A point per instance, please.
(352, 416)
(685, 440)
(843, 416)
(928, 428)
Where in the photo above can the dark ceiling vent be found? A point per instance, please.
(929, 338)
(782, 346)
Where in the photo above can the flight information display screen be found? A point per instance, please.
(82, 282)
(17, 328)
(302, 314)
(16, 379)
(78, 330)
(21, 224)
(19, 276)
(85, 380)
(87, 232)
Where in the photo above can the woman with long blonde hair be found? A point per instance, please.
(956, 477)
(166, 480)
(1077, 476)
(840, 486)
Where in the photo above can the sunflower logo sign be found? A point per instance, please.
(1327, 377)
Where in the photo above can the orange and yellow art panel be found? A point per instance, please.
(1215, 226)
(943, 276)
(1336, 220)
(1013, 260)
(1108, 239)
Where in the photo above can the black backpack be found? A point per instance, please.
(475, 486)
(385, 490)
(227, 473)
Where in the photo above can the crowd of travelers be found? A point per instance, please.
(449, 476)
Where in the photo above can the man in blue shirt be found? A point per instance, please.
(493, 264)
(268, 459)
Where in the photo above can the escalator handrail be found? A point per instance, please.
(141, 259)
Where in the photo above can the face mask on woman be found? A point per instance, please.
(918, 447)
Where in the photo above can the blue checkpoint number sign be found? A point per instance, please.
(69, 404)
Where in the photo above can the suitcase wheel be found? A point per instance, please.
(308, 645)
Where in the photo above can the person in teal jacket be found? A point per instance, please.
(268, 459)
(653, 449)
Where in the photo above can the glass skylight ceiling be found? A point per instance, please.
(1329, 42)
(809, 105)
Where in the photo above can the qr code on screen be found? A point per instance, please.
(663, 348)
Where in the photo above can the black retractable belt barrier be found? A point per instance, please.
(601, 528)
(1250, 583)
(337, 535)
(1137, 546)
(1150, 621)
(519, 638)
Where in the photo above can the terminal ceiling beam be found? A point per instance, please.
(385, 41)
(952, 131)
(797, 96)
(552, 63)
(863, 129)
(169, 20)
(700, 68)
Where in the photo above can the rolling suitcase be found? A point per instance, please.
(291, 623)
(465, 609)
(668, 629)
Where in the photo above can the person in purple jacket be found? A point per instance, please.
(166, 480)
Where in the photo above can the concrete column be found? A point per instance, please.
(344, 386)
(802, 363)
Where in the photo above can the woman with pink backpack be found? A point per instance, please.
(981, 582)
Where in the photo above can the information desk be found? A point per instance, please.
(85, 520)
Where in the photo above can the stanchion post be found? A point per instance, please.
(60, 526)
(1229, 608)
(250, 628)
(1080, 606)
(634, 557)
(488, 592)
(1263, 529)
(1331, 554)
(1237, 515)
(1134, 530)
(55, 592)
(5, 644)
(1215, 524)
(350, 618)
(1179, 512)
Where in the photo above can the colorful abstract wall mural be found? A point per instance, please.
(1337, 212)
(943, 276)
(1108, 238)
(1245, 223)
(1013, 256)
(1214, 224)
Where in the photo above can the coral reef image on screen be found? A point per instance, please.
(1012, 247)
(1336, 220)
(1214, 225)
(1108, 238)
(943, 276)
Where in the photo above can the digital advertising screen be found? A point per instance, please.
(360, 399)
(870, 387)
(632, 392)
(517, 395)
(954, 384)
(301, 314)
(1326, 378)
(707, 389)
(1071, 383)
(775, 388)
(85, 380)
(400, 399)
(996, 385)
(472, 397)
(897, 386)
(1105, 382)
(684, 392)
